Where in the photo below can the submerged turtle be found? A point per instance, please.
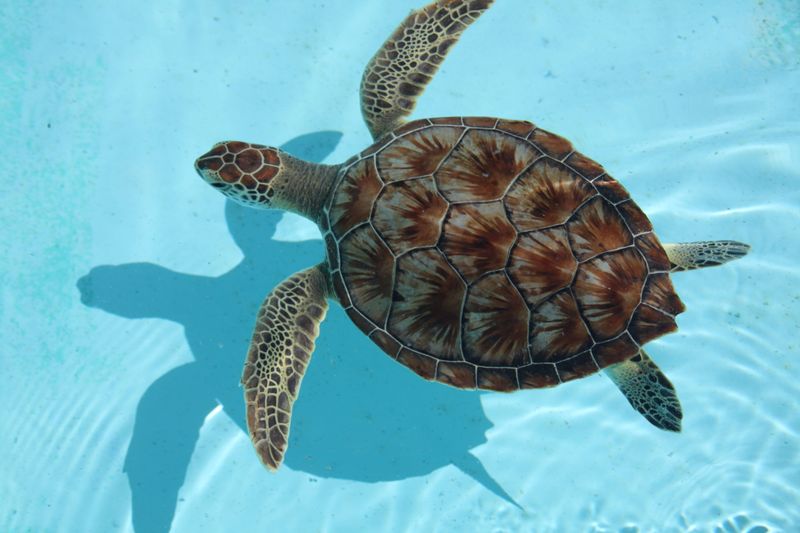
(479, 252)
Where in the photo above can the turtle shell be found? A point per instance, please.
(487, 253)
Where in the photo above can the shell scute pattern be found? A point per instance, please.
(428, 292)
(418, 153)
(408, 214)
(495, 323)
(497, 379)
(558, 330)
(608, 289)
(487, 253)
(423, 365)
(471, 227)
(585, 166)
(542, 263)
(537, 376)
(615, 350)
(354, 196)
(368, 268)
(520, 128)
(547, 194)
(597, 228)
(577, 366)
(482, 166)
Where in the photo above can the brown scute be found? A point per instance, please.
(489, 263)
(352, 201)
(417, 154)
(477, 238)
(249, 160)
(649, 324)
(230, 173)
(375, 147)
(653, 252)
(635, 218)
(537, 376)
(576, 367)
(659, 293)
(461, 375)
(495, 323)
(483, 165)
(611, 189)
(423, 365)
(409, 214)
(426, 313)
(542, 264)
(248, 181)
(551, 144)
(451, 121)
(608, 288)
(497, 379)
(367, 266)
(520, 128)
(597, 228)
(339, 289)
(545, 195)
(386, 342)
(615, 351)
(480, 122)
(352, 160)
(360, 321)
(585, 166)
(331, 251)
(557, 331)
(411, 126)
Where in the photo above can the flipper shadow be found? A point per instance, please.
(360, 415)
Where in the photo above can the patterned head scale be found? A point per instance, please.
(241, 171)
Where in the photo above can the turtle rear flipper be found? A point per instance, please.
(283, 341)
(407, 61)
(692, 255)
(648, 390)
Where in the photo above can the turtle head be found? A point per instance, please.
(242, 171)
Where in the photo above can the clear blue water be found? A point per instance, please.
(128, 286)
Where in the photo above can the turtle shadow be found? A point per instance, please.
(360, 416)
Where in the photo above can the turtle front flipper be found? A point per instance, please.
(692, 255)
(283, 341)
(407, 61)
(648, 390)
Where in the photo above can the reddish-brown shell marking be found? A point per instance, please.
(488, 253)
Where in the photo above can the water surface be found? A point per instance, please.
(129, 285)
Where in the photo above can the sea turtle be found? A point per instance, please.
(479, 252)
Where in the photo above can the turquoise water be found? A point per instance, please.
(128, 286)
